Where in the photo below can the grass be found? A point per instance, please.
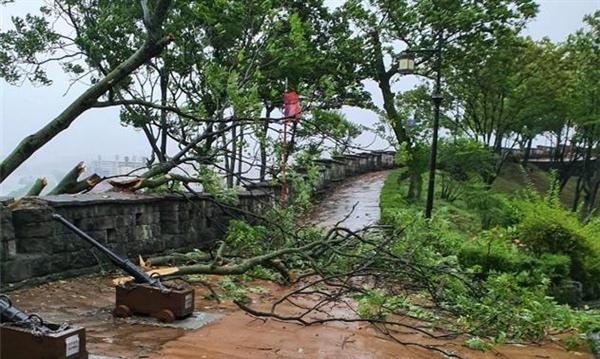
(512, 179)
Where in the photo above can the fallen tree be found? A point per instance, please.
(381, 276)
(155, 43)
(70, 183)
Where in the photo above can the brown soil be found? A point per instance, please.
(88, 302)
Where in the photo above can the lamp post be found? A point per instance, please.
(406, 65)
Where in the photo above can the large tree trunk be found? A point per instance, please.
(263, 143)
(37, 187)
(152, 47)
(240, 163)
(164, 127)
(578, 189)
(383, 80)
(590, 189)
(70, 184)
(527, 153)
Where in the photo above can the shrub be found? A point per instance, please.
(548, 229)
(494, 209)
(499, 251)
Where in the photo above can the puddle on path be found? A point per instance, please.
(354, 203)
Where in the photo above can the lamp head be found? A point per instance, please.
(406, 64)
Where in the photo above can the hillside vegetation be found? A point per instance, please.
(532, 262)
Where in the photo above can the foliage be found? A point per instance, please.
(199, 103)
(231, 289)
(494, 209)
(499, 251)
(493, 282)
(550, 229)
(464, 163)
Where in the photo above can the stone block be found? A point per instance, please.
(124, 235)
(143, 217)
(120, 249)
(33, 222)
(70, 242)
(7, 231)
(23, 267)
(125, 220)
(15, 270)
(144, 233)
(168, 206)
(31, 245)
(148, 247)
(59, 262)
(32, 214)
(34, 229)
(169, 216)
(173, 241)
(84, 258)
(9, 250)
(102, 222)
(171, 227)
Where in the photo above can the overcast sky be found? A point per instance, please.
(25, 109)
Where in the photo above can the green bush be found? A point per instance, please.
(499, 251)
(494, 209)
(549, 229)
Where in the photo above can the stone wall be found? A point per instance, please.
(34, 248)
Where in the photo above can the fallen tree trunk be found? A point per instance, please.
(271, 259)
(70, 184)
(138, 183)
(135, 184)
(151, 48)
(37, 187)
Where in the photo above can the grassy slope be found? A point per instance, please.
(512, 179)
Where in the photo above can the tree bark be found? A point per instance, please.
(70, 184)
(383, 81)
(153, 46)
(578, 189)
(263, 143)
(37, 187)
(527, 153)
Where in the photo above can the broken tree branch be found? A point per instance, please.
(37, 187)
(152, 47)
(70, 184)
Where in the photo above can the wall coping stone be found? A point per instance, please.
(5, 200)
(329, 161)
(64, 200)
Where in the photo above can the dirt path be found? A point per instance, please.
(88, 302)
(354, 204)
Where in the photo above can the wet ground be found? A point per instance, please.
(88, 302)
(354, 204)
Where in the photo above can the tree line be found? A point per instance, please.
(204, 82)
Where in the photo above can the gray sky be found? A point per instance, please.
(25, 109)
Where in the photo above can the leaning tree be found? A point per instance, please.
(382, 26)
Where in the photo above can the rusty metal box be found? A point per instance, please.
(21, 343)
(165, 305)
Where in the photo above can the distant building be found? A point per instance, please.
(105, 168)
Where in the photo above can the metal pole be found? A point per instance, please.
(437, 101)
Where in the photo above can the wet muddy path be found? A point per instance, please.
(88, 302)
(354, 204)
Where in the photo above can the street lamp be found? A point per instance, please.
(406, 66)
